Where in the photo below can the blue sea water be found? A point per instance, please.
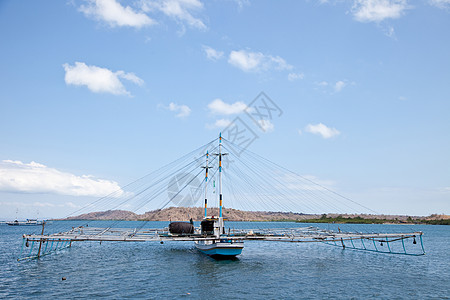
(264, 270)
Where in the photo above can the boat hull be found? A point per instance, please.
(221, 249)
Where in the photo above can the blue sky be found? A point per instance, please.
(95, 94)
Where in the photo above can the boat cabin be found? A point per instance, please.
(212, 226)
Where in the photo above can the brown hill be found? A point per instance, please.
(107, 215)
(196, 213)
(438, 217)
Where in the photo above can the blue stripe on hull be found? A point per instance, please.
(222, 251)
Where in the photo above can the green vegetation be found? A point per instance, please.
(436, 222)
(360, 220)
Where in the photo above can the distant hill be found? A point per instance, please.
(197, 213)
(107, 215)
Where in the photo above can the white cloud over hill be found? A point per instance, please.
(16, 176)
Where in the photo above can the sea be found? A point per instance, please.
(264, 270)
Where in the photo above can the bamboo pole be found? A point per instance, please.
(40, 241)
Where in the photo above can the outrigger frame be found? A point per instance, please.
(58, 241)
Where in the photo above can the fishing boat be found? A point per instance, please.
(216, 243)
(211, 237)
(221, 245)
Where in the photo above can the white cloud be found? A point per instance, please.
(219, 107)
(295, 76)
(179, 10)
(221, 123)
(339, 85)
(242, 3)
(246, 61)
(378, 10)
(322, 130)
(16, 176)
(212, 54)
(131, 77)
(181, 110)
(98, 80)
(277, 62)
(114, 14)
(256, 61)
(444, 4)
(266, 125)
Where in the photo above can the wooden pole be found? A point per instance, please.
(40, 241)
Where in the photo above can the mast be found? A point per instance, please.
(220, 175)
(220, 154)
(206, 184)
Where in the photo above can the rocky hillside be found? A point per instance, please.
(107, 215)
(196, 213)
(185, 213)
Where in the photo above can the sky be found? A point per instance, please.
(97, 93)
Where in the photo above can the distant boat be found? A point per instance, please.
(28, 222)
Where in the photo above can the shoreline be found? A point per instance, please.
(308, 221)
